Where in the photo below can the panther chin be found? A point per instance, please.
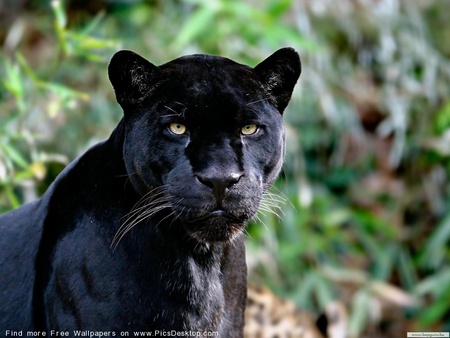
(215, 226)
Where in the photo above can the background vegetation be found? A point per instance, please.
(365, 221)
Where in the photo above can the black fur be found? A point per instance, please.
(145, 230)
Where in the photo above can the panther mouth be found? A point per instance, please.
(215, 213)
(215, 226)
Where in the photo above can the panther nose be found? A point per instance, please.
(219, 185)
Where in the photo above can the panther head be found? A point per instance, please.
(204, 135)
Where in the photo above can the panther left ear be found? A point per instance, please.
(279, 74)
(132, 77)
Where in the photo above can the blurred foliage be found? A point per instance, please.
(365, 219)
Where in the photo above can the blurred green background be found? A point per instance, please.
(362, 209)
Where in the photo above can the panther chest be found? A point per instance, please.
(167, 292)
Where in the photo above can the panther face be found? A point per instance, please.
(204, 136)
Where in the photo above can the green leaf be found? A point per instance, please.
(26, 67)
(407, 269)
(278, 8)
(88, 43)
(436, 248)
(15, 203)
(63, 92)
(94, 24)
(435, 284)
(305, 290)
(436, 311)
(442, 122)
(14, 155)
(384, 261)
(60, 14)
(14, 80)
(359, 312)
(324, 292)
(200, 22)
(60, 24)
(242, 10)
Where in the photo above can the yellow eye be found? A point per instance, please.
(177, 128)
(249, 129)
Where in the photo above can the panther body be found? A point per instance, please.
(145, 230)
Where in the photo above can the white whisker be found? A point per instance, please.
(148, 205)
(257, 101)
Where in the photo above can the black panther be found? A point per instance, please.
(145, 230)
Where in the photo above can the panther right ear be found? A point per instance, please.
(132, 78)
(279, 74)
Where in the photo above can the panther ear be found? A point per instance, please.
(279, 74)
(132, 77)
